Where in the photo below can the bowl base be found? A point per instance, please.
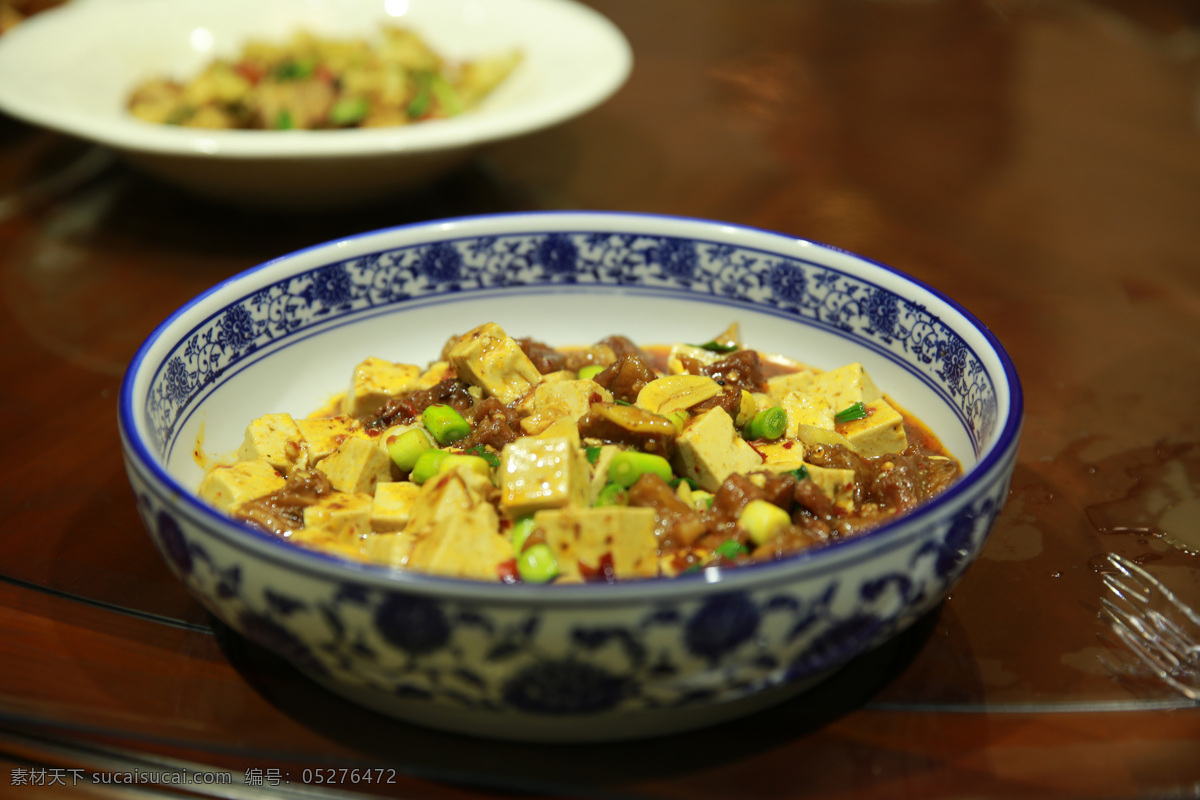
(577, 729)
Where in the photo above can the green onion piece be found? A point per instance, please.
(612, 495)
(850, 413)
(283, 120)
(731, 549)
(675, 481)
(446, 424)
(446, 96)
(761, 520)
(427, 465)
(293, 70)
(717, 347)
(349, 110)
(618, 401)
(406, 448)
(800, 473)
(593, 453)
(423, 97)
(627, 466)
(491, 458)
(520, 532)
(537, 564)
(590, 371)
(769, 424)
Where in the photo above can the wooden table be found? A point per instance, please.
(1037, 161)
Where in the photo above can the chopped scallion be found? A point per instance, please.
(717, 347)
(850, 413)
(769, 424)
(445, 423)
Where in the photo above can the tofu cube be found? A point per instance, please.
(467, 543)
(837, 484)
(323, 435)
(542, 472)
(336, 518)
(807, 409)
(276, 439)
(357, 465)
(780, 386)
(374, 382)
(553, 400)
(393, 505)
(226, 487)
(489, 358)
(878, 433)
(709, 450)
(782, 456)
(444, 494)
(437, 372)
(845, 386)
(390, 549)
(586, 540)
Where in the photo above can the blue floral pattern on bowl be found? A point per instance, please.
(809, 291)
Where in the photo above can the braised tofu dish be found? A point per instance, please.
(313, 83)
(511, 460)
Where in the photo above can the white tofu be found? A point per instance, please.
(878, 433)
(806, 409)
(336, 520)
(390, 549)
(539, 473)
(442, 495)
(709, 450)
(564, 428)
(438, 371)
(374, 382)
(780, 386)
(489, 358)
(228, 486)
(357, 465)
(276, 439)
(393, 505)
(585, 536)
(782, 456)
(322, 435)
(837, 484)
(845, 386)
(553, 400)
(466, 543)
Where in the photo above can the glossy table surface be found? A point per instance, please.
(1037, 161)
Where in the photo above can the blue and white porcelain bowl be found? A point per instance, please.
(562, 662)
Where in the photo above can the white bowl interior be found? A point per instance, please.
(573, 59)
(298, 372)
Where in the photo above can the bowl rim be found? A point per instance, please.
(832, 557)
(125, 133)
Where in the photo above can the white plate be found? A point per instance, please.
(72, 69)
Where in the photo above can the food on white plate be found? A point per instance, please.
(315, 83)
(510, 460)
